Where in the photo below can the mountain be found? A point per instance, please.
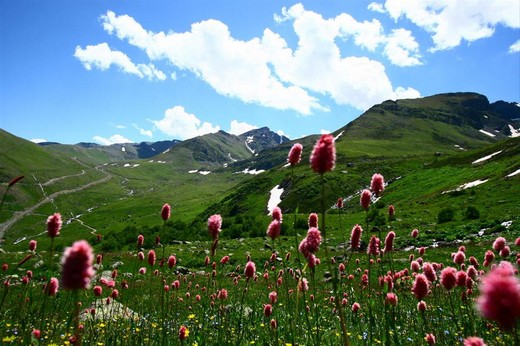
(259, 139)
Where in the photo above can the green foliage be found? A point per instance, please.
(472, 213)
(446, 215)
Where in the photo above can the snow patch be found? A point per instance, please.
(485, 158)
(458, 146)
(193, 171)
(167, 150)
(204, 172)
(513, 174)
(126, 165)
(468, 185)
(136, 165)
(275, 198)
(339, 135)
(514, 132)
(232, 159)
(123, 149)
(487, 133)
(507, 224)
(251, 171)
(249, 139)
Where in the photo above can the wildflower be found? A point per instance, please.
(222, 294)
(214, 225)
(140, 240)
(505, 252)
(430, 339)
(76, 266)
(422, 250)
(250, 269)
(54, 223)
(273, 297)
(355, 236)
(500, 296)
(172, 260)
(224, 260)
(355, 307)
(303, 285)
(339, 203)
(165, 212)
(52, 287)
(472, 272)
(295, 154)
(312, 260)
(474, 341)
(341, 267)
(5, 267)
(459, 258)
(391, 211)
(32, 245)
(365, 198)
(377, 185)
(415, 233)
(183, 333)
(99, 259)
(273, 324)
(273, 231)
(313, 239)
(460, 278)
(142, 270)
(517, 241)
(313, 220)
(489, 256)
(140, 255)
(421, 306)
(373, 246)
(157, 240)
(176, 284)
(429, 272)
(389, 241)
(420, 287)
(151, 257)
(323, 154)
(499, 243)
(114, 294)
(15, 180)
(276, 214)
(448, 278)
(98, 290)
(36, 333)
(268, 310)
(391, 299)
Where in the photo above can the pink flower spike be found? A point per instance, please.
(323, 156)
(172, 260)
(165, 212)
(377, 185)
(430, 339)
(214, 225)
(32, 245)
(355, 237)
(276, 214)
(391, 210)
(54, 223)
(415, 233)
(52, 287)
(273, 231)
(449, 277)
(151, 258)
(365, 198)
(140, 240)
(389, 241)
(76, 266)
(250, 270)
(474, 341)
(339, 203)
(420, 287)
(295, 154)
(499, 243)
(313, 220)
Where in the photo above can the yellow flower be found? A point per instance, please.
(192, 316)
(9, 339)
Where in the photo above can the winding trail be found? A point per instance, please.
(17, 216)
(64, 177)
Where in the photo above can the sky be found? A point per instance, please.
(132, 71)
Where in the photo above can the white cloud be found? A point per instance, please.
(115, 139)
(376, 7)
(102, 57)
(120, 127)
(324, 132)
(38, 140)
(450, 22)
(402, 49)
(515, 47)
(180, 124)
(143, 131)
(281, 134)
(237, 127)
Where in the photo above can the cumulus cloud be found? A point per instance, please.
(115, 139)
(402, 49)
(281, 134)
(237, 127)
(376, 7)
(178, 123)
(143, 132)
(120, 127)
(450, 22)
(515, 47)
(102, 57)
(324, 132)
(38, 140)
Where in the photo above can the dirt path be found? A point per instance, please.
(64, 177)
(17, 216)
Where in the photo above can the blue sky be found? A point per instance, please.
(132, 71)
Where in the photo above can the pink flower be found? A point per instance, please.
(505, 252)
(500, 297)
(391, 299)
(499, 243)
(517, 241)
(183, 333)
(448, 277)
(415, 233)
(489, 256)
(52, 287)
(140, 240)
(313, 239)
(323, 156)
(165, 212)
(250, 269)
(373, 246)
(98, 290)
(32, 245)
(313, 220)
(339, 203)
(142, 270)
(474, 341)
(276, 214)
(224, 260)
(365, 198)
(268, 310)
(391, 210)
(459, 258)
(422, 306)
(430, 339)
(389, 241)
(76, 266)
(114, 294)
(222, 294)
(36, 333)
(214, 225)
(273, 324)
(295, 154)
(273, 231)
(54, 225)
(304, 248)
(420, 287)
(273, 297)
(303, 285)
(460, 278)
(429, 272)
(355, 237)
(377, 185)
(151, 258)
(355, 307)
(172, 261)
